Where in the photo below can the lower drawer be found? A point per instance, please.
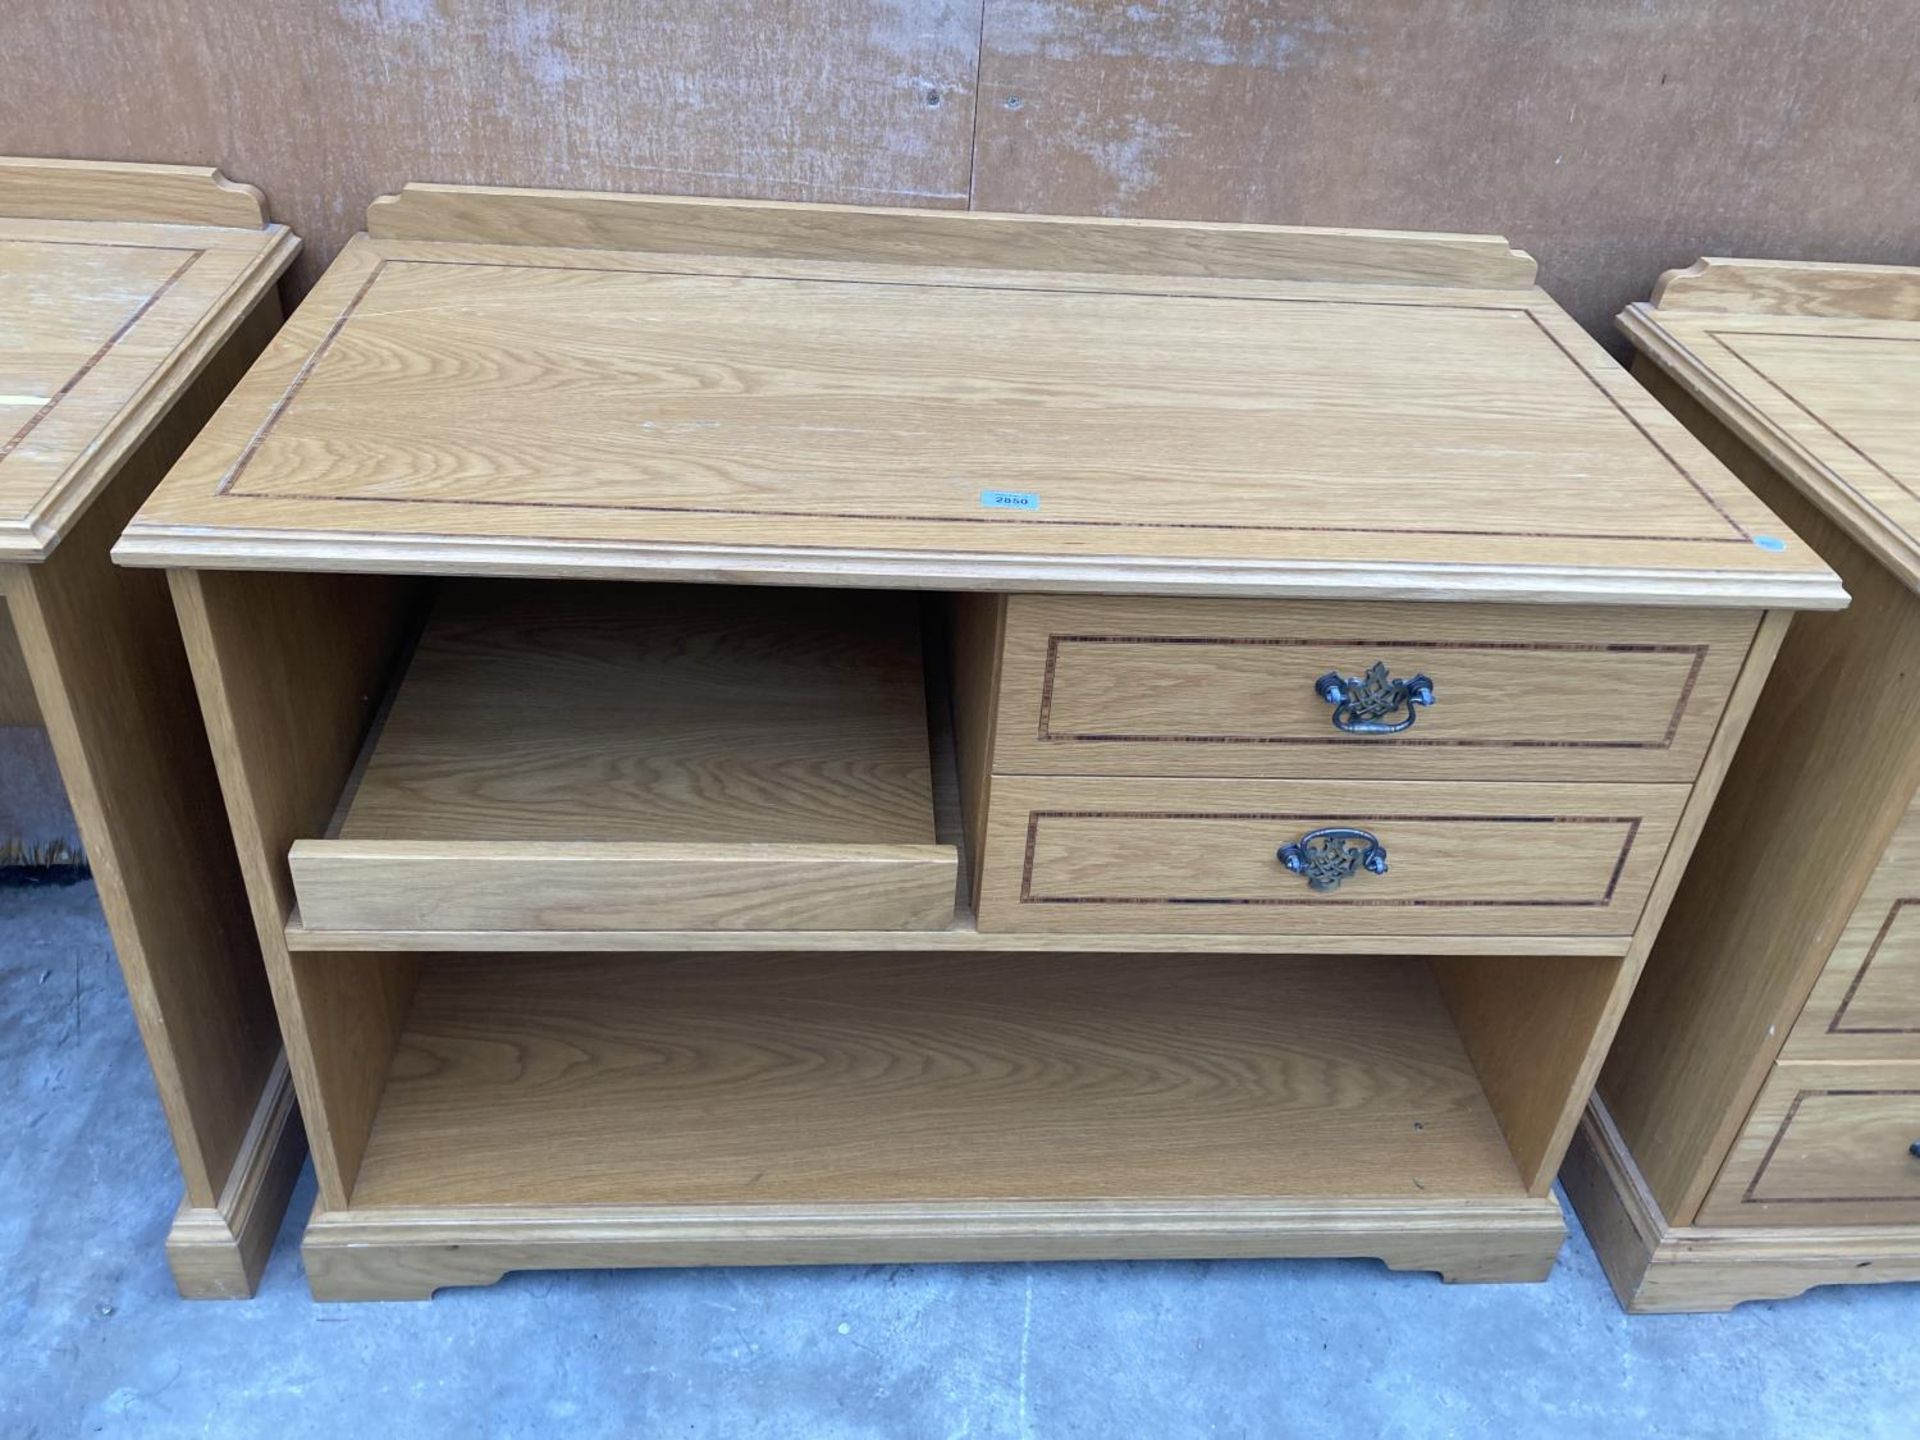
(1106, 856)
(1826, 1145)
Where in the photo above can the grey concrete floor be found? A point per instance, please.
(96, 1343)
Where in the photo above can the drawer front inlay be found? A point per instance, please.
(1827, 1145)
(1108, 686)
(1883, 997)
(1205, 856)
(1866, 1003)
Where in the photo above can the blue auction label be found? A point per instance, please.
(1009, 500)
(1770, 542)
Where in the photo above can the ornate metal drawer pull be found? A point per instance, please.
(1326, 857)
(1361, 703)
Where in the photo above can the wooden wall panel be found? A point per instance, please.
(326, 103)
(1611, 140)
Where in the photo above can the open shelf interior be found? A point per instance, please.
(578, 711)
(716, 1079)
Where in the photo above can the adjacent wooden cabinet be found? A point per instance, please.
(131, 298)
(774, 734)
(1757, 1129)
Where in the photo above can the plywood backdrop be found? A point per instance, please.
(1613, 138)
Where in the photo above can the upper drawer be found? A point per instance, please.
(1106, 686)
(1866, 1004)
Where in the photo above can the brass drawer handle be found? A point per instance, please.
(1361, 703)
(1326, 857)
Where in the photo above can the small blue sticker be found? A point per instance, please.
(1009, 500)
(1770, 542)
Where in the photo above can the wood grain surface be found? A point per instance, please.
(1537, 1040)
(1753, 922)
(1866, 1003)
(1825, 1145)
(1088, 245)
(975, 647)
(525, 885)
(106, 322)
(1078, 853)
(114, 190)
(1658, 1268)
(1538, 1037)
(219, 1252)
(408, 1253)
(882, 1079)
(131, 300)
(442, 406)
(1791, 287)
(1105, 686)
(644, 713)
(118, 700)
(289, 670)
(962, 936)
(1826, 397)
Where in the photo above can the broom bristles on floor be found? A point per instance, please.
(50, 862)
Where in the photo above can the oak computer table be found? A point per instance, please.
(767, 733)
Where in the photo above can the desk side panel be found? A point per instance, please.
(290, 669)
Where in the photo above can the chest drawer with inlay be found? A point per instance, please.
(1106, 686)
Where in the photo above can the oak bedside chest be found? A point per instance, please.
(1757, 1129)
(131, 298)
(769, 733)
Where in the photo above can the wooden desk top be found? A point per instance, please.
(541, 383)
(117, 282)
(1815, 366)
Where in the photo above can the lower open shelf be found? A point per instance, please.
(748, 1109)
(821, 1079)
